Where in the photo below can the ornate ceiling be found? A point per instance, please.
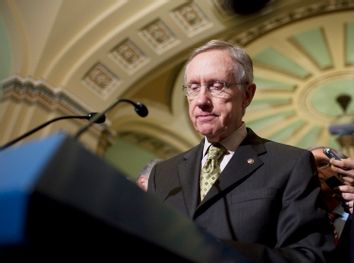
(96, 52)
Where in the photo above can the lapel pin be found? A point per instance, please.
(250, 161)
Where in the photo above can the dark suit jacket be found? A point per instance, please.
(351, 241)
(344, 249)
(265, 201)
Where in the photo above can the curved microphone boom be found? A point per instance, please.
(140, 109)
(90, 116)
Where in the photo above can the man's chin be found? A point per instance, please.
(205, 128)
(211, 136)
(206, 132)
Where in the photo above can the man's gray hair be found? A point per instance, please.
(243, 62)
(145, 171)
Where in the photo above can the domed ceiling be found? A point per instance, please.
(99, 51)
(300, 70)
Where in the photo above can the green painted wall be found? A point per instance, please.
(128, 158)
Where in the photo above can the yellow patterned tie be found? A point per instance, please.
(211, 169)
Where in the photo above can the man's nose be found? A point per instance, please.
(204, 93)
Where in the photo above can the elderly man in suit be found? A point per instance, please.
(260, 196)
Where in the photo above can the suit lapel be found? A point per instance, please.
(345, 236)
(188, 172)
(243, 163)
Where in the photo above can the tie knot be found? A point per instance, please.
(216, 151)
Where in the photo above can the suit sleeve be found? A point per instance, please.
(303, 231)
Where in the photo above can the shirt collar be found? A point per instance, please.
(232, 141)
(340, 211)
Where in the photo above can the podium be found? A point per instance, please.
(59, 200)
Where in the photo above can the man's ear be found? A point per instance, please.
(249, 94)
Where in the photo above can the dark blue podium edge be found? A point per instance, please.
(14, 187)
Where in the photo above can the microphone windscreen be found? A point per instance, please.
(141, 109)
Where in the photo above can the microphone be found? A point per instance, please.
(140, 109)
(341, 129)
(90, 116)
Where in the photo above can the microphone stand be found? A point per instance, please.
(90, 116)
(137, 107)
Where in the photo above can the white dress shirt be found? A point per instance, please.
(230, 143)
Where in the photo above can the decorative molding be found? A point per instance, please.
(101, 80)
(159, 36)
(26, 89)
(191, 19)
(318, 8)
(128, 56)
(38, 96)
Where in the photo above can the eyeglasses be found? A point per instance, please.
(216, 88)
